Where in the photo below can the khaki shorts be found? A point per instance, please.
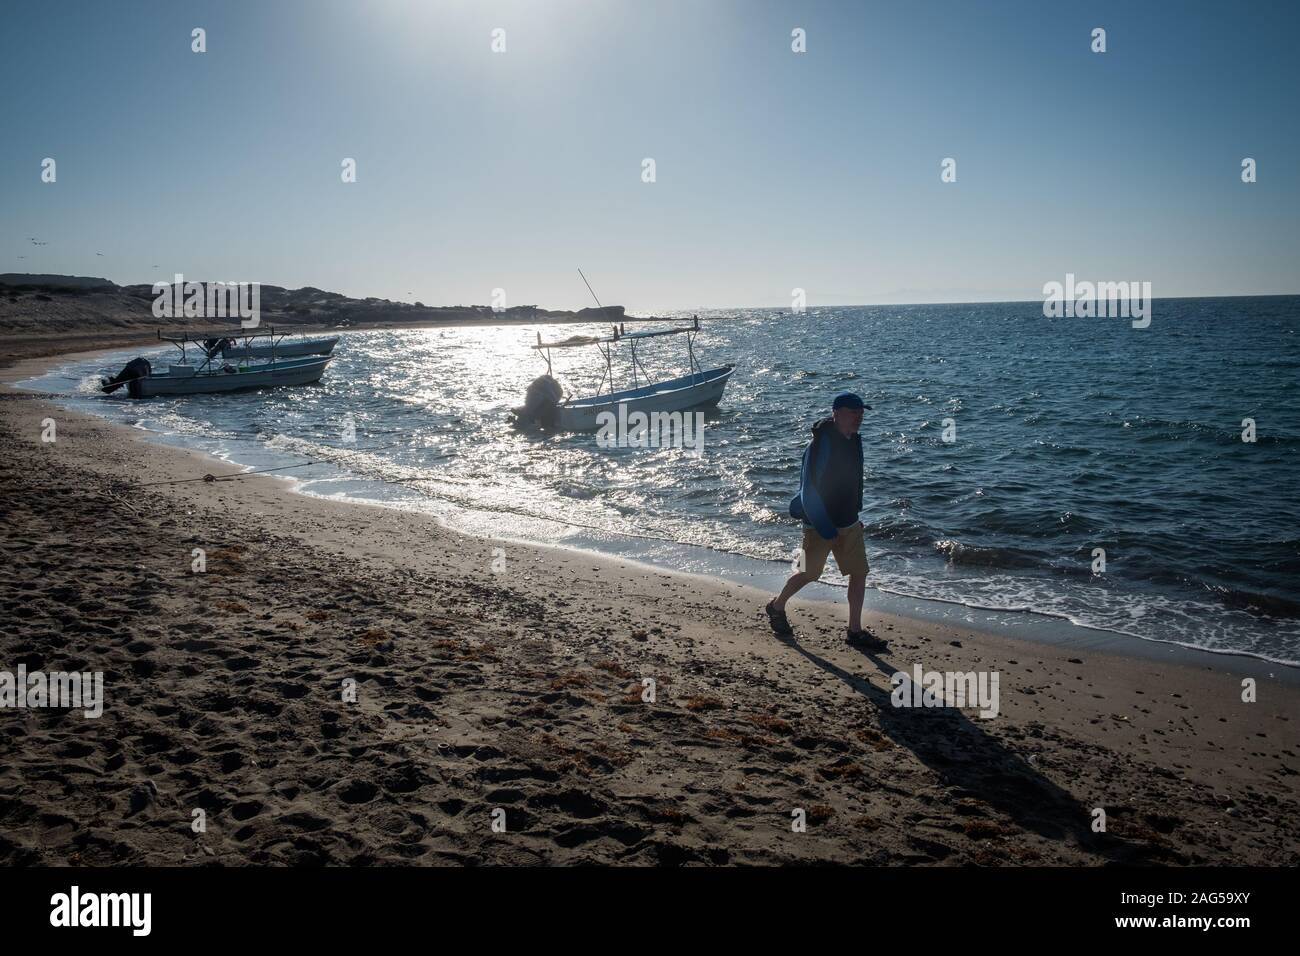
(849, 547)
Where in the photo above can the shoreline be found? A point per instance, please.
(1020, 624)
(523, 689)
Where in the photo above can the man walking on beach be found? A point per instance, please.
(829, 499)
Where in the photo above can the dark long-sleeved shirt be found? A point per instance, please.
(840, 482)
(830, 487)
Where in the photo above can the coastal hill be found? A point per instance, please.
(37, 308)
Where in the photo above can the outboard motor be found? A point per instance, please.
(212, 346)
(135, 369)
(540, 402)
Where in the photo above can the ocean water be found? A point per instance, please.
(1070, 435)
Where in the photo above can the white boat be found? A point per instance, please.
(211, 374)
(543, 405)
(192, 380)
(281, 349)
(697, 390)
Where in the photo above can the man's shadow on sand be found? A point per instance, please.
(965, 757)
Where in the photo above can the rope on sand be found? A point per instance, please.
(244, 474)
(263, 471)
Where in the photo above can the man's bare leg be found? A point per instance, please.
(857, 591)
(793, 586)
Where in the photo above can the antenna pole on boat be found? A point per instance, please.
(609, 367)
(592, 291)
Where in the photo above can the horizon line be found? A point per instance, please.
(782, 307)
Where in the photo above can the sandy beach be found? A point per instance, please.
(514, 680)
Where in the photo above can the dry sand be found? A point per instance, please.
(523, 691)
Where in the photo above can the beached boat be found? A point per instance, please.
(193, 380)
(544, 403)
(211, 373)
(280, 349)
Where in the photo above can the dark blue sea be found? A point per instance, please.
(1071, 435)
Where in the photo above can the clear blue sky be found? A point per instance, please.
(774, 169)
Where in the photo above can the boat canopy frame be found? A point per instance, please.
(604, 345)
(211, 352)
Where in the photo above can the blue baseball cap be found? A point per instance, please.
(848, 400)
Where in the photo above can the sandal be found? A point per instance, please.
(780, 623)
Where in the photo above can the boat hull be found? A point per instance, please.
(284, 350)
(698, 390)
(272, 375)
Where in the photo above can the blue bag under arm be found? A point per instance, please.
(808, 505)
